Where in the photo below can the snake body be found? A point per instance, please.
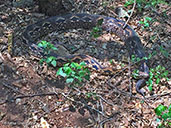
(87, 21)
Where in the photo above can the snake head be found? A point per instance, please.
(139, 85)
(144, 70)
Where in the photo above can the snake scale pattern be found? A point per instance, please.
(87, 21)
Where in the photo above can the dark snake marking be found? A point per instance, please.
(87, 21)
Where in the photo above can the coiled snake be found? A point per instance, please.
(87, 21)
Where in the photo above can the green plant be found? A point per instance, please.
(91, 94)
(155, 76)
(74, 72)
(164, 52)
(164, 115)
(47, 47)
(135, 59)
(97, 30)
(71, 71)
(144, 3)
(145, 22)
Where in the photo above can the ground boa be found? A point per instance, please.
(88, 21)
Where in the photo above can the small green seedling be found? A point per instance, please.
(91, 94)
(145, 22)
(74, 72)
(164, 116)
(145, 3)
(97, 30)
(164, 52)
(47, 47)
(155, 76)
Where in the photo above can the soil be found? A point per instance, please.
(32, 95)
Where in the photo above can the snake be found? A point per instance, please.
(86, 21)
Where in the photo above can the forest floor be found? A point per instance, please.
(32, 95)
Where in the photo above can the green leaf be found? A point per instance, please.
(69, 80)
(41, 61)
(40, 45)
(61, 73)
(145, 58)
(154, 53)
(129, 2)
(87, 77)
(165, 73)
(169, 115)
(163, 68)
(83, 63)
(80, 79)
(75, 65)
(96, 29)
(165, 116)
(158, 120)
(54, 48)
(96, 35)
(165, 53)
(66, 65)
(151, 75)
(49, 59)
(158, 67)
(82, 73)
(68, 70)
(138, 59)
(148, 18)
(150, 88)
(53, 63)
(157, 80)
(133, 58)
(160, 109)
(152, 70)
(88, 95)
(141, 22)
(169, 108)
(100, 21)
(150, 81)
(146, 25)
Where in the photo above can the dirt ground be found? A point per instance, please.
(32, 95)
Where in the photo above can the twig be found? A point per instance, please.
(84, 105)
(27, 96)
(129, 74)
(110, 118)
(159, 95)
(130, 15)
(34, 95)
(123, 92)
(125, 68)
(105, 100)
(13, 89)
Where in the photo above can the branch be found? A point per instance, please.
(130, 15)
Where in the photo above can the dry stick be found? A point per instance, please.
(101, 98)
(125, 69)
(84, 104)
(54, 93)
(130, 15)
(105, 100)
(98, 115)
(110, 118)
(159, 95)
(13, 89)
(129, 74)
(27, 96)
